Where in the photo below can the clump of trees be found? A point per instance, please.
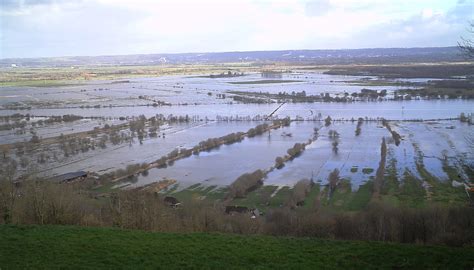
(333, 181)
(334, 137)
(378, 222)
(228, 74)
(399, 71)
(35, 139)
(294, 97)
(251, 100)
(215, 142)
(279, 162)
(43, 202)
(14, 125)
(296, 150)
(379, 175)
(285, 122)
(327, 121)
(300, 191)
(315, 133)
(258, 130)
(245, 183)
(370, 94)
(464, 119)
(466, 45)
(360, 121)
(440, 89)
(396, 137)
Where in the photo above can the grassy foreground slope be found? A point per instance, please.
(52, 247)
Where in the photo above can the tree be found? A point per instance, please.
(34, 139)
(334, 136)
(379, 175)
(279, 162)
(328, 121)
(466, 45)
(5, 150)
(333, 181)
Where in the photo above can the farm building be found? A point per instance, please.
(232, 210)
(172, 201)
(69, 177)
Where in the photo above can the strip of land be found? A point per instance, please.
(52, 247)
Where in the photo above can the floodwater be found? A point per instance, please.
(318, 160)
(392, 110)
(194, 95)
(223, 165)
(431, 143)
(119, 156)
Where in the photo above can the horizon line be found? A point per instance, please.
(215, 52)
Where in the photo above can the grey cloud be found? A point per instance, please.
(317, 7)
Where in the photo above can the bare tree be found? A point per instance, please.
(466, 44)
(333, 181)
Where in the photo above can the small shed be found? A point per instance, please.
(172, 201)
(255, 213)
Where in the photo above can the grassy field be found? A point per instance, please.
(63, 76)
(52, 247)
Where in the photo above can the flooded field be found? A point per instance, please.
(211, 98)
(223, 165)
(177, 90)
(124, 129)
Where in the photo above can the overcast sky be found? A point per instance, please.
(34, 28)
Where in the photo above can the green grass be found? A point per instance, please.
(258, 198)
(41, 83)
(443, 191)
(361, 197)
(312, 196)
(340, 196)
(411, 192)
(105, 188)
(469, 171)
(390, 188)
(198, 191)
(344, 199)
(59, 247)
(281, 197)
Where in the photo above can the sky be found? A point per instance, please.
(45, 28)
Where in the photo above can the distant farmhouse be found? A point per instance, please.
(232, 210)
(172, 201)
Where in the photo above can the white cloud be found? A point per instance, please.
(92, 27)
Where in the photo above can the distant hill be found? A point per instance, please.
(320, 57)
(61, 247)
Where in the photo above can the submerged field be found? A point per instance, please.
(72, 247)
(138, 131)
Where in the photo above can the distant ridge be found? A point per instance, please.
(321, 57)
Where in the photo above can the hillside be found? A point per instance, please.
(320, 57)
(66, 247)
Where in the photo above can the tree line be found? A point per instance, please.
(43, 202)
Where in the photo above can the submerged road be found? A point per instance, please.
(276, 110)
